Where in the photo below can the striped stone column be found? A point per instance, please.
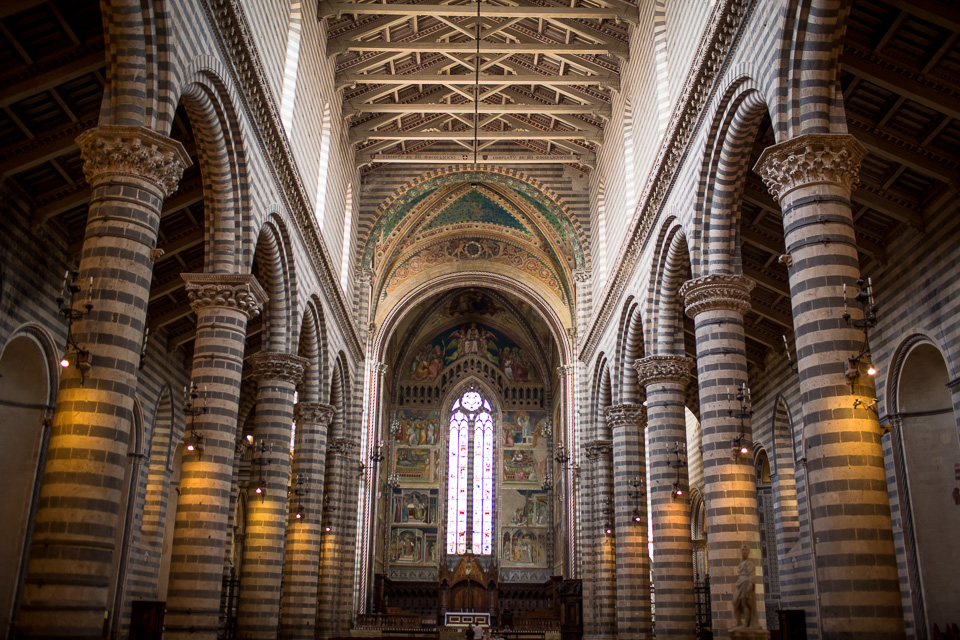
(812, 177)
(334, 608)
(130, 170)
(258, 609)
(604, 562)
(717, 304)
(665, 379)
(627, 422)
(301, 561)
(223, 304)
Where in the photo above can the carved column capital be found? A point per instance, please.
(232, 291)
(565, 369)
(809, 159)
(343, 447)
(619, 416)
(716, 291)
(581, 276)
(112, 152)
(365, 275)
(316, 413)
(285, 367)
(653, 369)
(380, 367)
(597, 448)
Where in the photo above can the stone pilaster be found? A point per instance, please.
(603, 570)
(812, 177)
(130, 170)
(298, 611)
(258, 610)
(366, 278)
(335, 599)
(223, 304)
(717, 304)
(665, 379)
(627, 422)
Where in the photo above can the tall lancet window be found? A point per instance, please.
(470, 485)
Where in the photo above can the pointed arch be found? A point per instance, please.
(673, 269)
(274, 268)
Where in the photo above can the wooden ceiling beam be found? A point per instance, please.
(626, 13)
(470, 47)
(467, 157)
(32, 85)
(351, 108)
(348, 79)
(484, 135)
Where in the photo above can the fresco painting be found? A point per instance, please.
(415, 507)
(418, 428)
(523, 428)
(410, 546)
(526, 508)
(523, 547)
(417, 464)
(472, 338)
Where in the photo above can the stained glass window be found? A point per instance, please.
(470, 410)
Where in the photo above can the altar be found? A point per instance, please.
(466, 619)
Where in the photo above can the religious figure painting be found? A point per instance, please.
(413, 546)
(526, 507)
(520, 465)
(522, 428)
(418, 428)
(415, 507)
(471, 338)
(522, 547)
(416, 464)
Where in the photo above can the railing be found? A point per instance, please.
(390, 621)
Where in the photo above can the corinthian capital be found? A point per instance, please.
(653, 369)
(240, 292)
(716, 291)
(113, 152)
(624, 415)
(316, 413)
(810, 159)
(285, 367)
(597, 448)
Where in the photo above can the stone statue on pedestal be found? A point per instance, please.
(745, 601)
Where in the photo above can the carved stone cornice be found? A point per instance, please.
(653, 369)
(698, 89)
(716, 291)
(619, 416)
(343, 447)
(115, 152)
(231, 291)
(598, 448)
(316, 413)
(812, 158)
(234, 39)
(285, 367)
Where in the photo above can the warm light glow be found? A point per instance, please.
(299, 515)
(249, 438)
(744, 449)
(190, 447)
(327, 528)
(259, 489)
(871, 371)
(64, 362)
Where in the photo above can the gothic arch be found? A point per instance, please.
(273, 257)
(672, 270)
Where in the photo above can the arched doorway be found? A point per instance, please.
(25, 402)
(927, 452)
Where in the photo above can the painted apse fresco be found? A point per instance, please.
(470, 324)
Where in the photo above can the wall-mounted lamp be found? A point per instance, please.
(636, 492)
(261, 460)
(608, 522)
(82, 358)
(192, 407)
(868, 305)
(741, 444)
(327, 524)
(786, 350)
(301, 491)
(677, 463)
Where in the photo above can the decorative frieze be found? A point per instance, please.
(716, 291)
(653, 369)
(316, 413)
(625, 415)
(114, 152)
(240, 292)
(285, 367)
(810, 159)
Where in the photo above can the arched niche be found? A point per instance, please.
(25, 400)
(928, 456)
